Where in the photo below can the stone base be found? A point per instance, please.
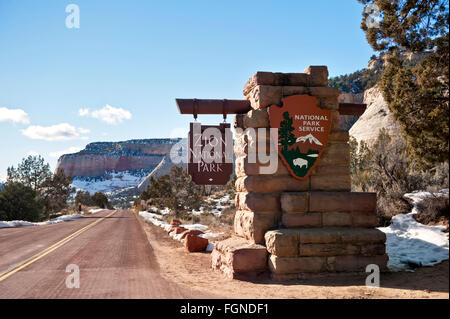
(315, 250)
(239, 259)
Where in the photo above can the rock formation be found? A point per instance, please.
(98, 158)
(376, 117)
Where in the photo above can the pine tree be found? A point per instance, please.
(32, 172)
(286, 136)
(55, 192)
(416, 95)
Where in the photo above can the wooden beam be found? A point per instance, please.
(202, 106)
(199, 106)
(351, 109)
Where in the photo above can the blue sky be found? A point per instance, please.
(129, 60)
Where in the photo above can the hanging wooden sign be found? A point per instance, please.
(303, 131)
(210, 154)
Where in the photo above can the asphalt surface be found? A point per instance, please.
(110, 249)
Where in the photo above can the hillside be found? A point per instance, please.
(116, 167)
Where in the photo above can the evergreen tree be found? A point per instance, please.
(84, 198)
(32, 172)
(176, 191)
(55, 191)
(416, 95)
(20, 202)
(286, 136)
(100, 200)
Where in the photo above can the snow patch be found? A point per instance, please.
(410, 242)
(156, 219)
(20, 223)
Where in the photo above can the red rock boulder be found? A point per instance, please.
(194, 243)
(177, 230)
(175, 222)
(191, 232)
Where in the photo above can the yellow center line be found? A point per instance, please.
(21, 265)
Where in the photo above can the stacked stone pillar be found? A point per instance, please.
(292, 226)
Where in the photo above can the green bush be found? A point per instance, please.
(20, 202)
(100, 200)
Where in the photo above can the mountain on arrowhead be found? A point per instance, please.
(310, 138)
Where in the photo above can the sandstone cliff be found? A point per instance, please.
(133, 155)
(376, 116)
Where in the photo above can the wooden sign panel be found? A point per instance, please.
(210, 154)
(303, 131)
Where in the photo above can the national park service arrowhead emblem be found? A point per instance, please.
(303, 131)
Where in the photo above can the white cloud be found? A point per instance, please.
(84, 130)
(83, 112)
(14, 115)
(70, 150)
(111, 115)
(58, 132)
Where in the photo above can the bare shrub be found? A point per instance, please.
(384, 168)
(433, 210)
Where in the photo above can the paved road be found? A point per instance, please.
(110, 248)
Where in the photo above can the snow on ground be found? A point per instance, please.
(18, 223)
(218, 203)
(409, 242)
(94, 211)
(113, 182)
(156, 219)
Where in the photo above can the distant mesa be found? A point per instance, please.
(114, 166)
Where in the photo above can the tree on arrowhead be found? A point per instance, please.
(286, 136)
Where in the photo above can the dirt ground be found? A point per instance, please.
(193, 270)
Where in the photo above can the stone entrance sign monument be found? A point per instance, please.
(302, 218)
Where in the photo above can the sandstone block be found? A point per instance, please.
(362, 235)
(335, 154)
(295, 202)
(329, 249)
(364, 219)
(335, 120)
(331, 183)
(373, 249)
(328, 103)
(324, 91)
(340, 235)
(282, 244)
(240, 255)
(293, 265)
(263, 96)
(244, 167)
(359, 263)
(267, 184)
(318, 75)
(342, 202)
(336, 219)
(301, 220)
(258, 202)
(257, 119)
(238, 121)
(331, 170)
(276, 79)
(252, 226)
